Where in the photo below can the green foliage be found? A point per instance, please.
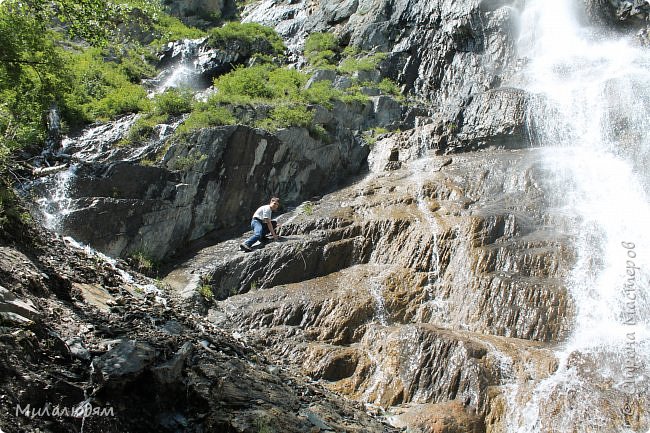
(205, 290)
(91, 20)
(128, 98)
(286, 83)
(322, 93)
(321, 49)
(173, 101)
(40, 68)
(351, 51)
(103, 89)
(151, 18)
(317, 42)
(244, 84)
(354, 96)
(134, 65)
(389, 87)
(31, 74)
(451, 127)
(284, 116)
(143, 262)
(308, 208)
(373, 134)
(259, 83)
(206, 115)
(350, 65)
(173, 29)
(255, 37)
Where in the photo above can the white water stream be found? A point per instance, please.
(593, 119)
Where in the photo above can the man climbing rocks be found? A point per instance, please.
(262, 225)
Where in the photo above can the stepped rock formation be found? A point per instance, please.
(436, 282)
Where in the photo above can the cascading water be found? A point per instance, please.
(104, 143)
(57, 204)
(183, 73)
(592, 119)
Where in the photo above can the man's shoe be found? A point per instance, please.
(245, 247)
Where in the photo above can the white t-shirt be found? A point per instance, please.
(263, 212)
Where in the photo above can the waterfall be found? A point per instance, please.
(376, 291)
(55, 204)
(183, 73)
(591, 117)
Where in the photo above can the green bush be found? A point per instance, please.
(256, 37)
(143, 262)
(173, 29)
(321, 49)
(205, 290)
(353, 95)
(373, 134)
(173, 101)
(204, 116)
(244, 84)
(260, 83)
(389, 87)
(142, 129)
(134, 65)
(286, 83)
(322, 93)
(185, 163)
(102, 88)
(284, 116)
(129, 98)
(166, 28)
(350, 65)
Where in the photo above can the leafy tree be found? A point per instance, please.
(32, 72)
(33, 75)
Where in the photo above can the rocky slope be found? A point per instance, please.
(84, 348)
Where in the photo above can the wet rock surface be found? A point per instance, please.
(436, 282)
(424, 289)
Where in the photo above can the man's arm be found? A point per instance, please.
(271, 229)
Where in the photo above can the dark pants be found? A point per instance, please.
(260, 230)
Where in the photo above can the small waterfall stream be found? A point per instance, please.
(591, 118)
(105, 143)
(183, 73)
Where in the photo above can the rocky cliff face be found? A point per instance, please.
(431, 283)
(443, 51)
(231, 170)
(200, 185)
